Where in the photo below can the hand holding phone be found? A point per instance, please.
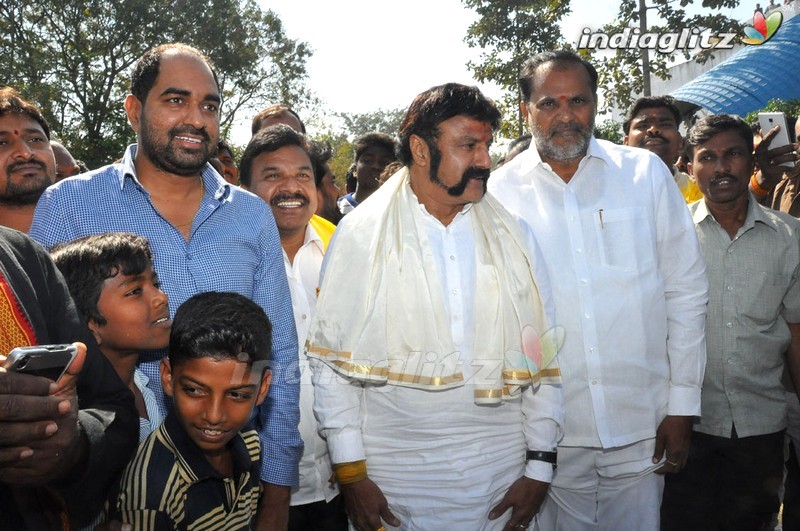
(40, 435)
(50, 361)
(768, 121)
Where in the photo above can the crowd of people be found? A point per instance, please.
(584, 336)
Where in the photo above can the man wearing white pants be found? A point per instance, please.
(630, 290)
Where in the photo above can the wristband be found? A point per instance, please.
(347, 473)
(756, 187)
(547, 457)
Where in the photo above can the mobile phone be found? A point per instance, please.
(768, 120)
(50, 361)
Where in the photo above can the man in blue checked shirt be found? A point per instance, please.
(206, 235)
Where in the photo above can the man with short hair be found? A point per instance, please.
(434, 376)
(277, 166)
(630, 289)
(198, 225)
(280, 113)
(27, 165)
(373, 152)
(225, 157)
(328, 191)
(66, 165)
(735, 466)
(652, 124)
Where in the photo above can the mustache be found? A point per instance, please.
(16, 165)
(649, 136)
(288, 197)
(571, 127)
(476, 173)
(471, 173)
(191, 130)
(719, 176)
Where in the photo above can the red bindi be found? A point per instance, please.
(16, 132)
(562, 98)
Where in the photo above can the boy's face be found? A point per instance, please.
(213, 398)
(137, 314)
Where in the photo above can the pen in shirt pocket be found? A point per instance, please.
(600, 215)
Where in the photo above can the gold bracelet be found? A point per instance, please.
(347, 473)
(756, 187)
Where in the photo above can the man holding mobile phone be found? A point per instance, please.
(774, 184)
(61, 445)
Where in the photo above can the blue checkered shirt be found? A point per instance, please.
(233, 246)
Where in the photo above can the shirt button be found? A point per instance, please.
(584, 281)
(730, 251)
(729, 288)
(304, 316)
(586, 315)
(579, 250)
(572, 218)
(729, 325)
(594, 382)
(591, 349)
(455, 292)
(452, 257)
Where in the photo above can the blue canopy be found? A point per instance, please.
(751, 77)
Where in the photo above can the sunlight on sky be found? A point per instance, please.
(378, 55)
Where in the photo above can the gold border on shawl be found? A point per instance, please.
(328, 353)
(489, 393)
(438, 381)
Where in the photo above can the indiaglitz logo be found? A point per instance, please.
(634, 39)
(762, 29)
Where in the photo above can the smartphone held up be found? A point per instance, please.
(50, 361)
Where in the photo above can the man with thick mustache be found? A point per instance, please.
(652, 124)
(735, 466)
(278, 166)
(27, 164)
(433, 382)
(630, 289)
(198, 225)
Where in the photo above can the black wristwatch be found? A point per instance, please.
(547, 457)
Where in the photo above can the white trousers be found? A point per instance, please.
(604, 489)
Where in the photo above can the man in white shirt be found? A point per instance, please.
(434, 377)
(277, 166)
(630, 289)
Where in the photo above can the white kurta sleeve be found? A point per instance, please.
(543, 410)
(337, 406)
(683, 270)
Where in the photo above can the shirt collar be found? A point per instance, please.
(313, 238)
(430, 217)
(214, 184)
(192, 457)
(595, 150)
(754, 214)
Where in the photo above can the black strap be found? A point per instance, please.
(547, 457)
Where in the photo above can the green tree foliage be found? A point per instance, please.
(73, 58)
(381, 121)
(510, 31)
(609, 130)
(621, 74)
(788, 107)
(352, 126)
(341, 151)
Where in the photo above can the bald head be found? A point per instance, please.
(66, 166)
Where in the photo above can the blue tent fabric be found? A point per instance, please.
(751, 77)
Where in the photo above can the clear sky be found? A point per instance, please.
(371, 55)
